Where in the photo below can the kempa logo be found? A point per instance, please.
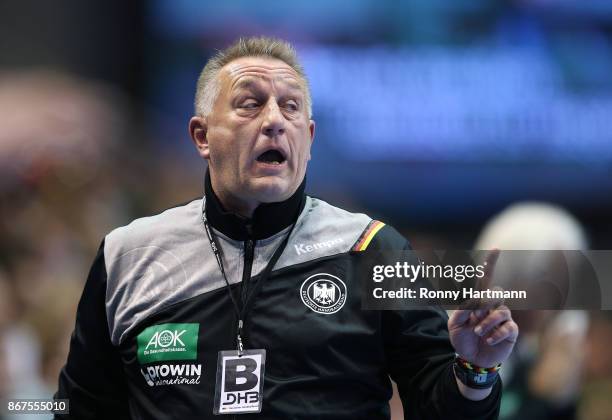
(304, 249)
(168, 342)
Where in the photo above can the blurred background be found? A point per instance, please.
(434, 116)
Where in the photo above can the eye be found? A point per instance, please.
(292, 105)
(249, 104)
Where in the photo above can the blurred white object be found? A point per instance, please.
(533, 226)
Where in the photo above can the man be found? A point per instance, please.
(246, 301)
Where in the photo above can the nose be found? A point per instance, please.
(274, 121)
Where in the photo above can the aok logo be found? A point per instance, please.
(166, 338)
(168, 342)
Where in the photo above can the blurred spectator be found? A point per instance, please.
(543, 376)
(59, 138)
(595, 403)
(68, 175)
(6, 316)
(19, 351)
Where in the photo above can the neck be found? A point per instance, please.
(240, 220)
(233, 204)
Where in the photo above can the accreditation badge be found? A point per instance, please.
(239, 384)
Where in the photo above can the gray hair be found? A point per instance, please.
(208, 86)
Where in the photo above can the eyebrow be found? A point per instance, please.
(246, 83)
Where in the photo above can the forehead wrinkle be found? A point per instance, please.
(249, 81)
(234, 68)
(271, 74)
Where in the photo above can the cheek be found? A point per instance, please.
(303, 149)
(221, 144)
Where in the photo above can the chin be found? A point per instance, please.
(272, 190)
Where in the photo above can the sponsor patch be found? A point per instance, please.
(168, 342)
(172, 374)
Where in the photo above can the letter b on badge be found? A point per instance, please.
(239, 374)
(239, 385)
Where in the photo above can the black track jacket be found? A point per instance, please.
(158, 276)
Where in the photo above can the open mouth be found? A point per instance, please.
(272, 157)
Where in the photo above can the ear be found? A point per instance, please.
(198, 130)
(311, 129)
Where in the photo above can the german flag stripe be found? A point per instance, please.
(368, 235)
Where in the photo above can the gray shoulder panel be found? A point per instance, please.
(155, 262)
(322, 230)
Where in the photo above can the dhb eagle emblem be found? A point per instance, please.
(323, 293)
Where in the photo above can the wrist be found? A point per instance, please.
(473, 376)
(471, 393)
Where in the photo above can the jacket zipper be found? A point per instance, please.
(249, 251)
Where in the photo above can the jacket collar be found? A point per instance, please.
(268, 219)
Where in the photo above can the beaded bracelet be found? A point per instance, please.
(475, 376)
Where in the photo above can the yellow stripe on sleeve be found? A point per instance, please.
(370, 235)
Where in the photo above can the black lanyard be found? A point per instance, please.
(241, 313)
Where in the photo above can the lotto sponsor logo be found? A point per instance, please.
(168, 342)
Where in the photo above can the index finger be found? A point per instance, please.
(485, 283)
(489, 263)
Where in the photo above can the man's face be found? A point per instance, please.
(258, 135)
